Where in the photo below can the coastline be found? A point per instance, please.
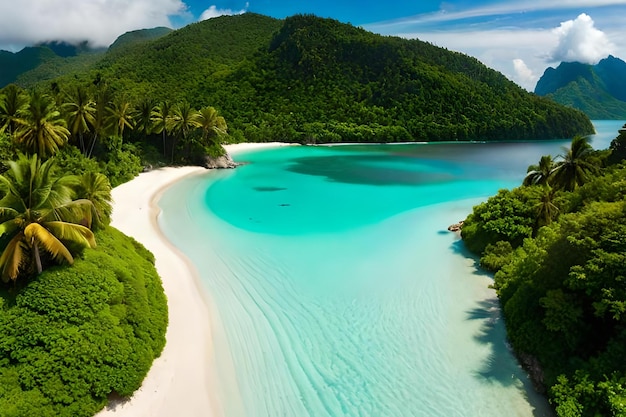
(182, 380)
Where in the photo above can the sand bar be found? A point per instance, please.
(181, 381)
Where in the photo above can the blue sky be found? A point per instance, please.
(518, 38)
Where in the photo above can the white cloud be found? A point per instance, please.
(213, 11)
(98, 21)
(530, 30)
(447, 13)
(524, 75)
(580, 41)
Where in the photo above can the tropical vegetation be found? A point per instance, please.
(38, 214)
(165, 100)
(306, 79)
(113, 135)
(557, 246)
(73, 337)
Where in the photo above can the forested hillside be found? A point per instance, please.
(14, 64)
(308, 79)
(54, 59)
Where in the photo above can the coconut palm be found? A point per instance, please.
(38, 214)
(41, 130)
(575, 165)
(545, 209)
(184, 119)
(95, 187)
(120, 116)
(161, 113)
(13, 103)
(143, 116)
(80, 112)
(212, 125)
(539, 174)
(102, 97)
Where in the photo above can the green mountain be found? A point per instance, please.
(309, 79)
(14, 64)
(598, 90)
(139, 36)
(49, 60)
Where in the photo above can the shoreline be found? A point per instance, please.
(182, 381)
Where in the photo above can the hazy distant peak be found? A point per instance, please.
(598, 90)
(138, 36)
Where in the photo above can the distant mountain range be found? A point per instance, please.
(598, 90)
(49, 60)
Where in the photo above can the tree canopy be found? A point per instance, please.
(558, 247)
(307, 79)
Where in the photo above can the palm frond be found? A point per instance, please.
(8, 227)
(72, 232)
(13, 257)
(52, 245)
(71, 212)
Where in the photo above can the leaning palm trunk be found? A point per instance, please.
(37, 257)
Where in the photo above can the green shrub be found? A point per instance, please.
(506, 216)
(74, 335)
(496, 255)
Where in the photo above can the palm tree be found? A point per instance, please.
(184, 119)
(95, 187)
(212, 125)
(143, 116)
(101, 127)
(37, 213)
(539, 174)
(545, 209)
(161, 113)
(120, 116)
(41, 130)
(575, 166)
(13, 104)
(80, 112)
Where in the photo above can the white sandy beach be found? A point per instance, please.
(181, 381)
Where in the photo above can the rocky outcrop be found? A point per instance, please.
(456, 227)
(535, 371)
(220, 162)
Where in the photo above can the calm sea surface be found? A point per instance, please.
(338, 290)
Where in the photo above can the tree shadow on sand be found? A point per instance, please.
(500, 365)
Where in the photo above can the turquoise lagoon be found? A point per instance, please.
(337, 289)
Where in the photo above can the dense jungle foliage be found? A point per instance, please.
(166, 101)
(557, 245)
(72, 336)
(308, 79)
(82, 310)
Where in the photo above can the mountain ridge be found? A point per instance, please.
(309, 79)
(46, 60)
(598, 90)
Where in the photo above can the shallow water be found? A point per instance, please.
(339, 290)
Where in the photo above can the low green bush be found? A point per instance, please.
(73, 336)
